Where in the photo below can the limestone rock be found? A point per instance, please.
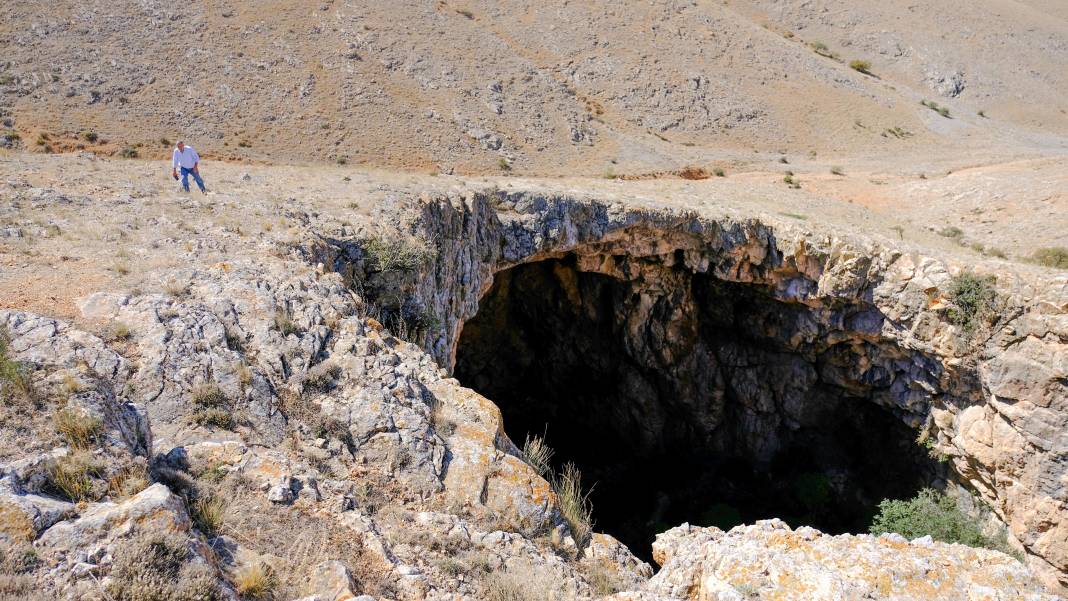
(769, 559)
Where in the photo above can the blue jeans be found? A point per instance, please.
(196, 177)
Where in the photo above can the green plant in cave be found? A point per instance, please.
(974, 300)
(398, 254)
(936, 514)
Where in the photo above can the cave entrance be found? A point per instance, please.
(685, 398)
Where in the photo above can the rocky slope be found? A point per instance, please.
(546, 87)
(250, 409)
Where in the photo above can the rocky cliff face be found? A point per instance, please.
(257, 415)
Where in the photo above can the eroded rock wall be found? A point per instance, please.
(994, 402)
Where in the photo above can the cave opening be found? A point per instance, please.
(685, 398)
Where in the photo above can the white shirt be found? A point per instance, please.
(186, 158)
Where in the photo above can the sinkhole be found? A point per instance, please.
(685, 398)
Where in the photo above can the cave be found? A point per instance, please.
(683, 397)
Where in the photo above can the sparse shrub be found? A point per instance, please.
(837, 171)
(342, 160)
(89, 136)
(821, 49)
(15, 383)
(575, 506)
(465, 13)
(982, 114)
(538, 455)
(209, 395)
(941, 110)
(255, 581)
(610, 174)
(128, 152)
(973, 298)
(12, 136)
(158, 567)
(283, 322)
(119, 331)
(15, 524)
(934, 513)
(176, 289)
(603, 579)
(719, 172)
(7, 79)
(896, 132)
(42, 139)
(995, 252)
(521, 582)
(1052, 256)
(951, 232)
(791, 181)
(399, 254)
(213, 407)
(862, 66)
(74, 475)
(130, 481)
(503, 164)
(322, 377)
(208, 513)
(79, 427)
(215, 417)
(17, 560)
(164, 142)
(244, 144)
(234, 340)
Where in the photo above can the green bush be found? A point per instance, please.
(934, 513)
(974, 300)
(90, 135)
(860, 65)
(128, 152)
(399, 254)
(1053, 256)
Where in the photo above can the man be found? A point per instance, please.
(189, 161)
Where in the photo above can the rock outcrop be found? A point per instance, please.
(276, 411)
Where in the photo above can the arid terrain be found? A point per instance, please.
(552, 88)
(522, 301)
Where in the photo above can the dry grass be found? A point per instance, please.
(538, 455)
(302, 541)
(255, 581)
(158, 568)
(15, 383)
(16, 524)
(77, 426)
(522, 582)
(575, 506)
(75, 476)
(209, 513)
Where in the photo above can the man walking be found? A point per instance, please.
(189, 161)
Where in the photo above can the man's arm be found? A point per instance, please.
(174, 161)
(196, 160)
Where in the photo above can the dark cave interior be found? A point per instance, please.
(685, 398)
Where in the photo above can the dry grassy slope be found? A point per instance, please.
(562, 87)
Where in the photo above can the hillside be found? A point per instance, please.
(552, 87)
